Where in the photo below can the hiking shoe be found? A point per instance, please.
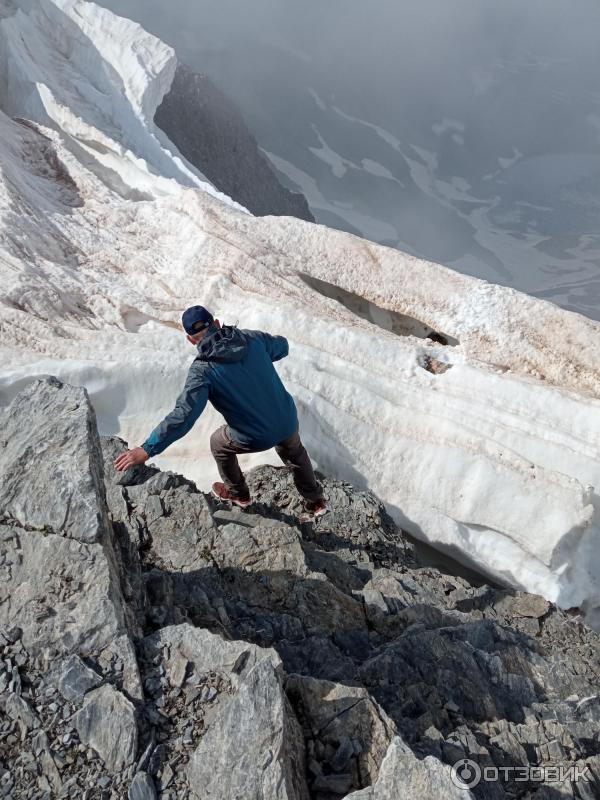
(316, 507)
(221, 492)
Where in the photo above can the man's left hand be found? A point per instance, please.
(130, 458)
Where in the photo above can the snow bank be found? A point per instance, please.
(483, 439)
(98, 78)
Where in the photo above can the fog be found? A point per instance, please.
(463, 131)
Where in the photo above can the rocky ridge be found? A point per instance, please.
(211, 133)
(154, 643)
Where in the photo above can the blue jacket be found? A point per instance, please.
(234, 370)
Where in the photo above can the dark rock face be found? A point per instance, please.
(250, 653)
(211, 133)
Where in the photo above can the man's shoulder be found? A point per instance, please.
(255, 334)
(199, 368)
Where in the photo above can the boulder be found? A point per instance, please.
(51, 462)
(344, 722)
(17, 708)
(107, 723)
(268, 568)
(254, 747)
(404, 777)
(264, 549)
(58, 564)
(160, 511)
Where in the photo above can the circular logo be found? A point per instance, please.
(465, 773)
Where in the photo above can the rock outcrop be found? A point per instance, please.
(59, 444)
(155, 643)
(211, 133)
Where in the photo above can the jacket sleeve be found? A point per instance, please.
(277, 346)
(188, 407)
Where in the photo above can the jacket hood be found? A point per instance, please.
(225, 344)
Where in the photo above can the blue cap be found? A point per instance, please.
(196, 319)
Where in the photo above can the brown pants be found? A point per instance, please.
(291, 451)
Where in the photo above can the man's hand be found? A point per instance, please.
(130, 458)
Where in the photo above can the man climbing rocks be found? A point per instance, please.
(234, 370)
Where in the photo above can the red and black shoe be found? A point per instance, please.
(221, 492)
(316, 508)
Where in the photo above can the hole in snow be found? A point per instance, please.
(400, 324)
(134, 319)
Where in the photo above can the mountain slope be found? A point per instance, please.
(472, 410)
(464, 133)
(211, 133)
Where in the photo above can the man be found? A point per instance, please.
(234, 370)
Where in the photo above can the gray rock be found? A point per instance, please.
(253, 747)
(260, 549)
(176, 668)
(208, 652)
(59, 566)
(75, 679)
(223, 516)
(63, 594)
(380, 647)
(405, 777)
(208, 694)
(142, 787)
(157, 759)
(41, 748)
(19, 709)
(122, 652)
(340, 715)
(521, 604)
(113, 446)
(271, 569)
(54, 424)
(107, 724)
(178, 523)
(343, 754)
(166, 777)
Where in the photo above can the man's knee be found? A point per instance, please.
(291, 449)
(217, 440)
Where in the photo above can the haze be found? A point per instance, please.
(465, 132)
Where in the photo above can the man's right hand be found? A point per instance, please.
(130, 458)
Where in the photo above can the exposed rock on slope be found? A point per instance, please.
(68, 494)
(197, 651)
(60, 577)
(211, 133)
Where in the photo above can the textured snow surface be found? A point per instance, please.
(99, 78)
(487, 446)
